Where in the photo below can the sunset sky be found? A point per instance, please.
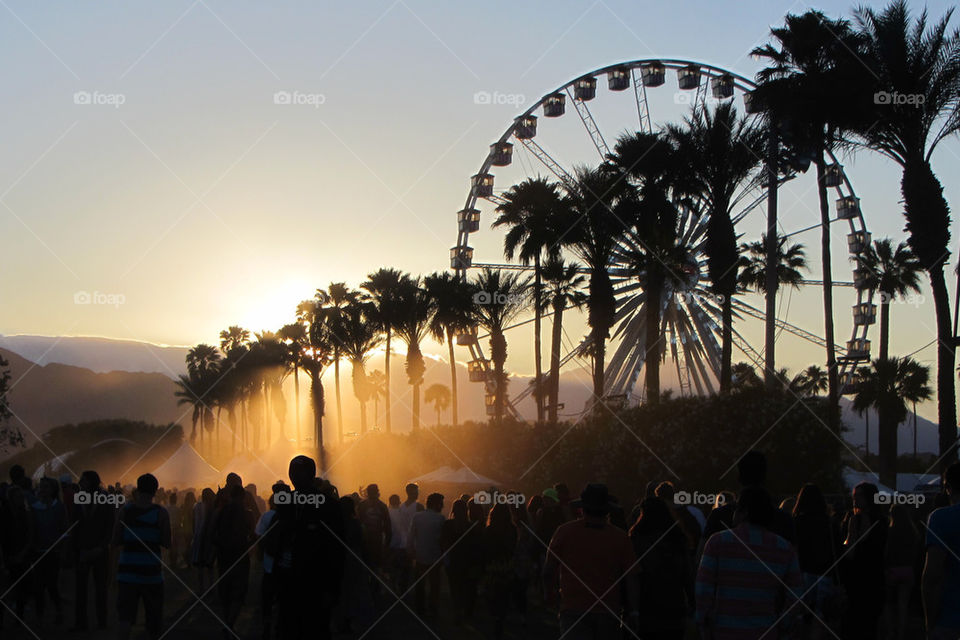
(145, 156)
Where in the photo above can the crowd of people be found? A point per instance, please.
(322, 563)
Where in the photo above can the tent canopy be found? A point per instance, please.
(187, 468)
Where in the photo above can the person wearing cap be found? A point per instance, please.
(142, 531)
(588, 559)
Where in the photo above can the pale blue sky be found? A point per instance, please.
(203, 203)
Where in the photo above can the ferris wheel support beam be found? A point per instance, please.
(591, 126)
(643, 108)
(547, 160)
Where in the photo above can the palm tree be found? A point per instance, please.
(439, 396)
(361, 335)
(188, 392)
(564, 290)
(532, 210)
(594, 237)
(503, 302)
(744, 378)
(233, 337)
(790, 260)
(887, 386)
(892, 272)
(377, 383)
(719, 152)
(336, 298)
(316, 357)
(812, 381)
(294, 338)
(415, 310)
(453, 299)
(922, 65)
(807, 88)
(382, 286)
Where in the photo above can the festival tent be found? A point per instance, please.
(187, 468)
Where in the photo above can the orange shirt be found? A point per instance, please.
(592, 559)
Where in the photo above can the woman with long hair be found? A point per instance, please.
(499, 545)
(817, 553)
(900, 561)
(862, 569)
(202, 547)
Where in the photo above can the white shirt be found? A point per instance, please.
(400, 520)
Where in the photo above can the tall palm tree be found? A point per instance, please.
(382, 286)
(317, 356)
(920, 63)
(188, 392)
(361, 335)
(504, 301)
(377, 383)
(812, 381)
(894, 273)
(439, 396)
(791, 261)
(563, 291)
(294, 338)
(534, 212)
(415, 311)
(719, 153)
(233, 337)
(807, 88)
(594, 238)
(336, 298)
(453, 299)
(888, 385)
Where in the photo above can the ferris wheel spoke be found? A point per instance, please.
(548, 161)
(590, 125)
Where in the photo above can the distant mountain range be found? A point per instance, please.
(74, 379)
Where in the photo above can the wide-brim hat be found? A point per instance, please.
(595, 497)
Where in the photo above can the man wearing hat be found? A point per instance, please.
(587, 559)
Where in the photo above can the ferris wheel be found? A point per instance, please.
(691, 320)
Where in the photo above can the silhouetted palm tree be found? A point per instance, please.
(317, 356)
(791, 262)
(294, 338)
(808, 90)
(453, 299)
(377, 383)
(415, 310)
(335, 299)
(812, 381)
(361, 335)
(887, 385)
(534, 211)
(718, 153)
(564, 286)
(233, 337)
(505, 299)
(382, 286)
(921, 63)
(892, 272)
(439, 396)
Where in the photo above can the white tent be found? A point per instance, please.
(449, 475)
(187, 468)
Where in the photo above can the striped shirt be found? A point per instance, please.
(748, 577)
(140, 538)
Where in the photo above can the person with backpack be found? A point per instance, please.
(142, 532)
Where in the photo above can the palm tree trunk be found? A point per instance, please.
(833, 397)
(453, 379)
(555, 360)
(316, 396)
(652, 343)
(726, 345)
(386, 395)
(884, 326)
(416, 408)
(500, 400)
(296, 395)
(946, 361)
(336, 375)
(363, 417)
(538, 367)
(914, 430)
(867, 423)
(887, 432)
(770, 328)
